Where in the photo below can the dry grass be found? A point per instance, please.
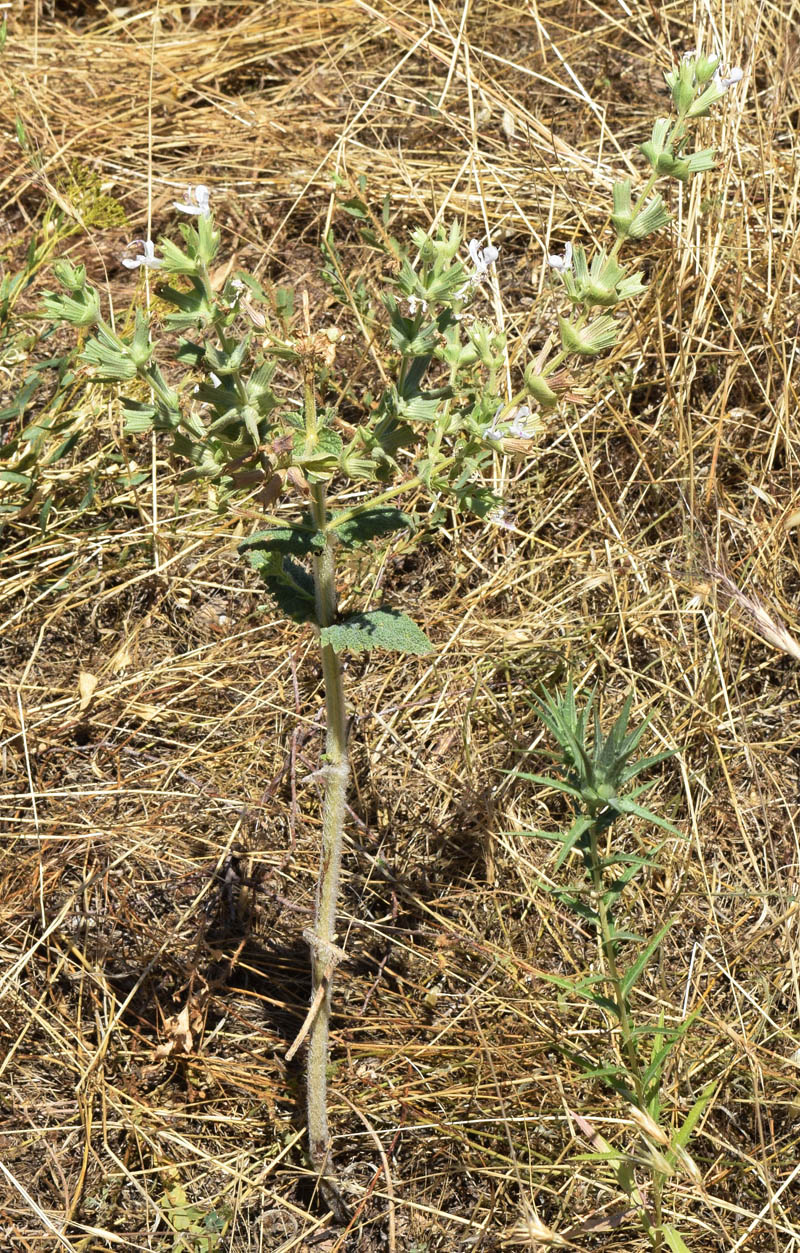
(160, 834)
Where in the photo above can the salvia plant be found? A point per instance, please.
(251, 401)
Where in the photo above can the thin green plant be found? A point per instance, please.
(598, 773)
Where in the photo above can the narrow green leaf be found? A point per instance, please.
(583, 990)
(624, 805)
(11, 476)
(631, 771)
(682, 1136)
(638, 966)
(625, 937)
(545, 781)
(674, 1239)
(579, 828)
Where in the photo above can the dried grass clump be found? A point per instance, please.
(158, 730)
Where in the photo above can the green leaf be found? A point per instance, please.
(583, 989)
(674, 1239)
(380, 628)
(194, 309)
(289, 583)
(366, 526)
(290, 540)
(624, 805)
(578, 829)
(138, 416)
(631, 975)
(20, 402)
(189, 353)
(419, 409)
(355, 207)
(176, 261)
(63, 448)
(11, 476)
(630, 772)
(109, 357)
(44, 514)
(558, 784)
(681, 1137)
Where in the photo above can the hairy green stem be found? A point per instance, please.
(324, 954)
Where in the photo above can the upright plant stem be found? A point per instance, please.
(324, 954)
(608, 949)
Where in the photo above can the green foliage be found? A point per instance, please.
(596, 771)
(295, 541)
(370, 525)
(379, 628)
(261, 409)
(82, 188)
(288, 582)
(196, 1228)
(597, 766)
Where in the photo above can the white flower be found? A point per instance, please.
(493, 430)
(735, 75)
(482, 258)
(516, 422)
(503, 519)
(519, 424)
(415, 303)
(561, 263)
(147, 257)
(196, 201)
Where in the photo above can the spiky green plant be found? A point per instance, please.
(597, 771)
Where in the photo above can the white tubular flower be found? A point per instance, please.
(482, 258)
(493, 431)
(415, 303)
(196, 201)
(147, 257)
(561, 263)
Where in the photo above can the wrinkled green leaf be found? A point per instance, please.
(370, 524)
(290, 540)
(380, 628)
